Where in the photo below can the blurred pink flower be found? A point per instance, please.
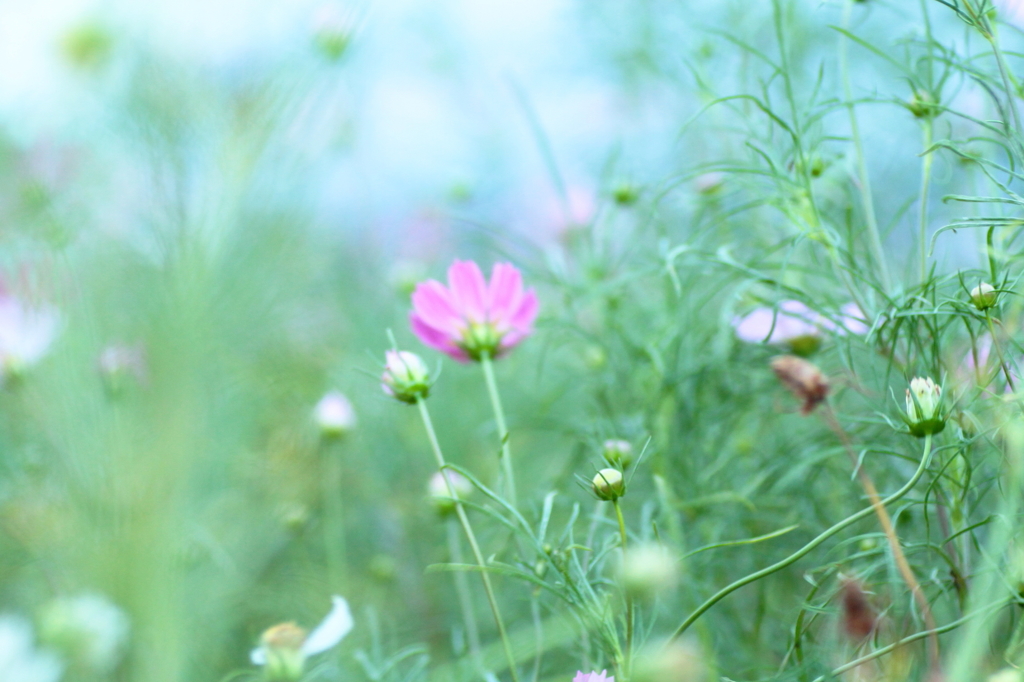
(593, 677)
(469, 317)
(794, 320)
(26, 333)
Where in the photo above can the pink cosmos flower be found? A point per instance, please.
(593, 677)
(793, 321)
(471, 317)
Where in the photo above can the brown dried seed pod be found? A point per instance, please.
(859, 619)
(803, 379)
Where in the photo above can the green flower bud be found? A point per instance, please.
(618, 453)
(674, 662)
(984, 296)
(647, 570)
(405, 377)
(924, 402)
(609, 485)
(285, 659)
(439, 494)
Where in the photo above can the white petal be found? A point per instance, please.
(334, 627)
(258, 656)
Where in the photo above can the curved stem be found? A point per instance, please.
(890, 533)
(499, 418)
(333, 521)
(999, 351)
(806, 549)
(629, 599)
(470, 536)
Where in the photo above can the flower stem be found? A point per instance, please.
(428, 424)
(890, 533)
(999, 351)
(926, 175)
(462, 592)
(333, 515)
(863, 179)
(499, 418)
(629, 599)
(806, 549)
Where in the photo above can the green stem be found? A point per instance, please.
(926, 174)
(462, 592)
(629, 599)
(333, 523)
(499, 418)
(428, 424)
(864, 180)
(806, 549)
(999, 350)
(912, 638)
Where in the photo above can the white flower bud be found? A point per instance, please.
(87, 629)
(405, 377)
(673, 662)
(618, 453)
(608, 484)
(924, 414)
(335, 415)
(647, 570)
(439, 494)
(984, 296)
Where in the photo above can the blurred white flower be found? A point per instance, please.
(20, 661)
(334, 414)
(87, 629)
(284, 648)
(26, 333)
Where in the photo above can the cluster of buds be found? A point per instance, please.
(924, 407)
(406, 377)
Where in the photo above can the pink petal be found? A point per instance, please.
(436, 338)
(504, 294)
(469, 290)
(434, 304)
(523, 318)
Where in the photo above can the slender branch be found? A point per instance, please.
(806, 549)
(890, 533)
(499, 417)
(470, 536)
(629, 599)
(462, 592)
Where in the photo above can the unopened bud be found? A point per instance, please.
(803, 379)
(923, 105)
(672, 662)
(609, 485)
(618, 453)
(332, 33)
(88, 630)
(405, 377)
(709, 183)
(282, 645)
(335, 415)
(924, 403)
(647, 570)
(984, 296)
(441, 496)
